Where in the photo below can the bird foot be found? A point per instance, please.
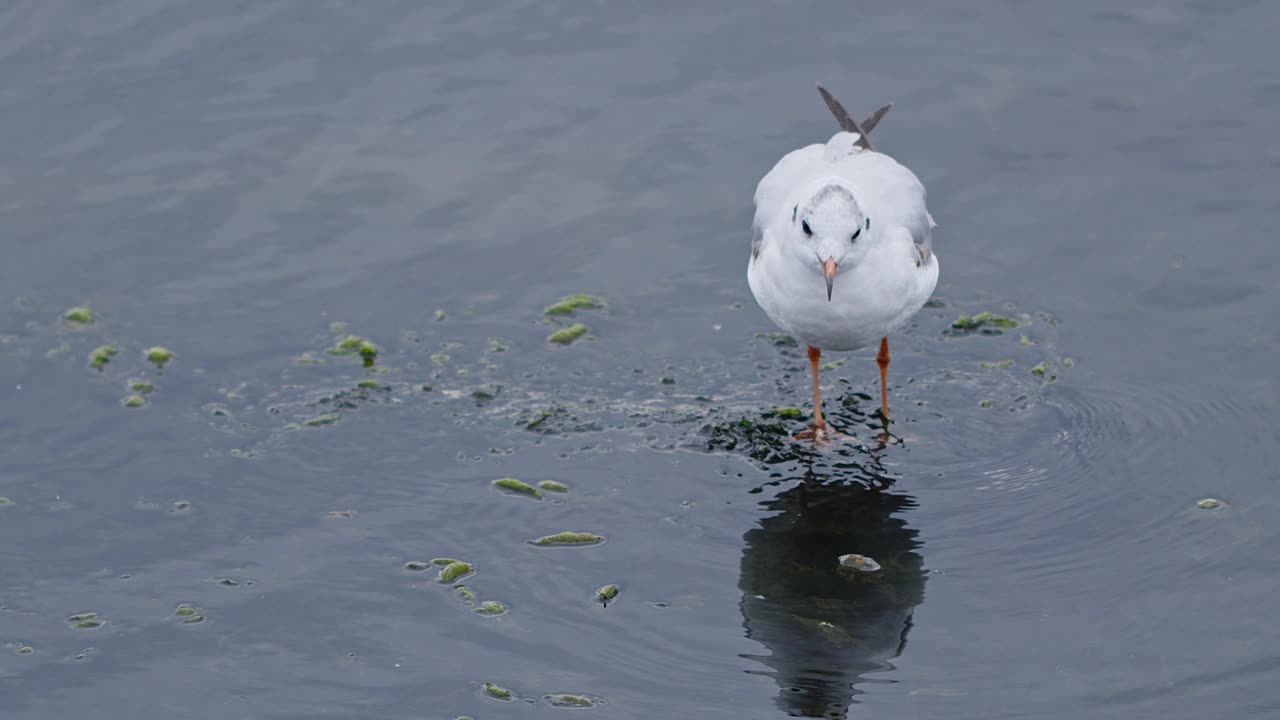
(822, 434)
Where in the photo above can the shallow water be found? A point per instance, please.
(228, 180)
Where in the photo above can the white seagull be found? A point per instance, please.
(842, 252)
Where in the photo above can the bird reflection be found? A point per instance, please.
(828, 628)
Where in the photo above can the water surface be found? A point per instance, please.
(229, 180)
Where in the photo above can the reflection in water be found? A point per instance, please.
(826, 627)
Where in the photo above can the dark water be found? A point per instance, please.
(229, 179)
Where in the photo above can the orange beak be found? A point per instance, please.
(829, 272)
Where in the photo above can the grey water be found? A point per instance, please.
(246, 183)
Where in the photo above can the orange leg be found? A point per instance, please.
(819, 426)
(882, 359)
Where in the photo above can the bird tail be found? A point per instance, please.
(848, 124)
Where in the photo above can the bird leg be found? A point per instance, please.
(818, 430)
(882, 359)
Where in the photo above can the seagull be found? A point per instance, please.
(842, 248)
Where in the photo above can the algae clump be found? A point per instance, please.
(569, 701)
(135, 401)
(553, 486)
(78, 316)
(564, 336)
(159, 355)
(569, 538)
(102, 355)
(320, 420)
(185, 610)
(455, 570)
(492, 608)
(495, 692)
(606, 594)
(141, 386)
(577, 301)
(517, 486)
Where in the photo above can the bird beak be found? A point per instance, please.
(829, 272)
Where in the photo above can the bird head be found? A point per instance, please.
(831, 232)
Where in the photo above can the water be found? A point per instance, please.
(229, 179)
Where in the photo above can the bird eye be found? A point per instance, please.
(804, 225)
(856, 233)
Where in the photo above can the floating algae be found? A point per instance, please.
(577, 301)
(1001, 364)
(134, 401)
(517, 487)
(369, 384)
(159, 355)
(785, 413)
(79, 316)
(553, 486)
(569, 701)
(142, 387)
(185, 610)
(495, 692)
(442, 561)
(416, 566)
(85, 621)
(983, 320)
(455, 570)
(569, 538)
(606, 594)
(320, 420)
(1209, 504)
(491, 608)
(565, 336)
(102, 355)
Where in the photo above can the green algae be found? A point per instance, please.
(24, 650)
(416, 566)
(6, 501)
(606, 594)
(553, 486)
(439, 358)
(569, 538)
(827, 367)
(441, 316)
(785, 413)
(455, 570)
(984, 403)
(142, 387)
(79, 316)
(491, 608)
(134, 401)
(517, 486)
(1042, 370)
(1209, 504)
(308, 358)
(86, 621)
(779, 339)
(159, 355)
(193, 620)
(442, 561)
(368, 352)
(983, 320)
(569, 701)
(577, 301)
(186, 610)
(465, 593)
(320, 420)
(1000, 364)
(565, 336)
(495, 692)
(369, 384)
(337, 327)
(102, 355)
(542, 417)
